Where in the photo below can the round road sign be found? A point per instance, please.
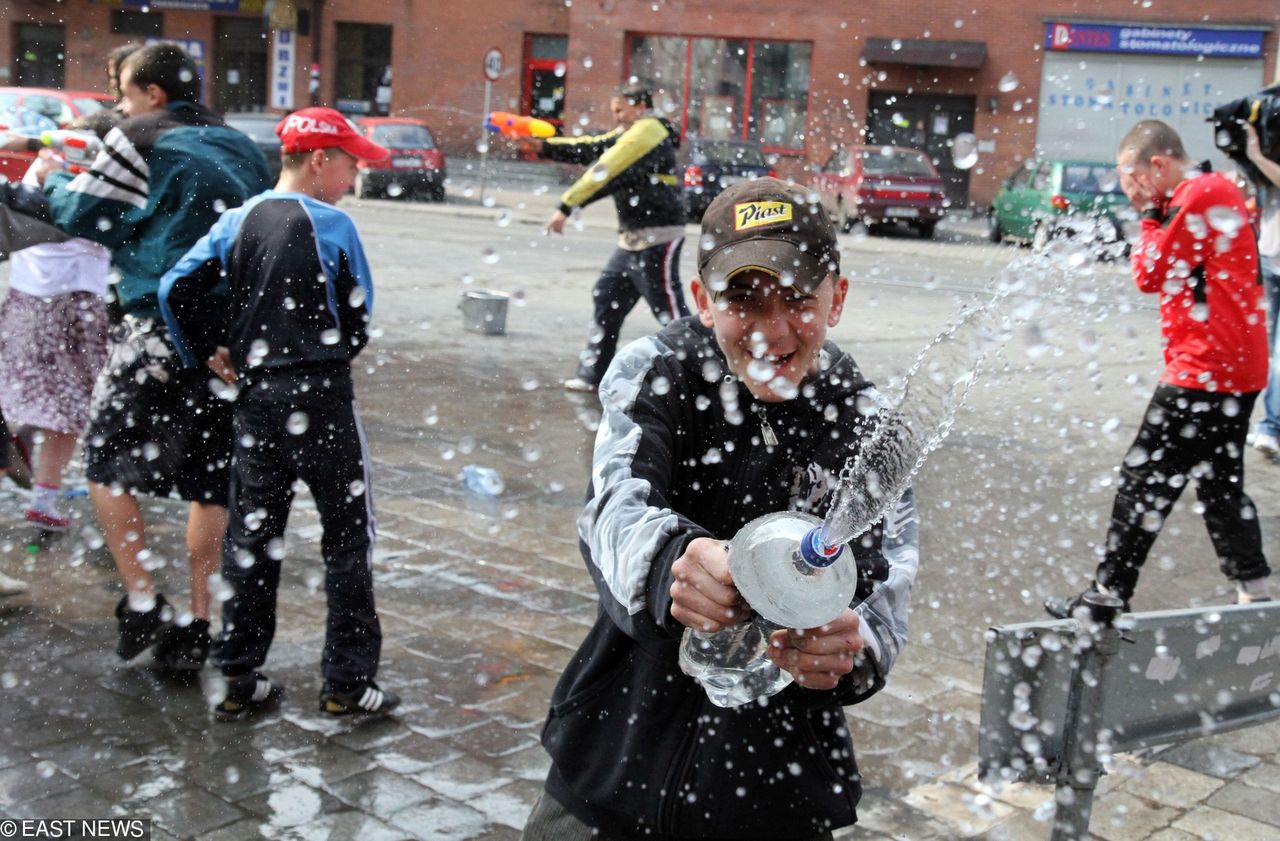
(493, 64)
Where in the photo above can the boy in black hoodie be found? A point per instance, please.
(743, 410)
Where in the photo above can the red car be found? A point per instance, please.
(880, 185)
(415, 166)
(60, 106)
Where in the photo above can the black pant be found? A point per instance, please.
(1185, 434)
(271, 451)
(653, 274)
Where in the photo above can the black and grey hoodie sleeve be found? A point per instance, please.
(630, 533)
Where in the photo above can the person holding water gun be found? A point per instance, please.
(636, 164)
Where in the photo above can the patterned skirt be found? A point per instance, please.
(51, 350)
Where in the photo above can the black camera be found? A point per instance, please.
(1262, 111)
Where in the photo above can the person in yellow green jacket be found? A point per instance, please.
(635, 163)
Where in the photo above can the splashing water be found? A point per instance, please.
(916, 424)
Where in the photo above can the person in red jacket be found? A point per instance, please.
(1198, 253)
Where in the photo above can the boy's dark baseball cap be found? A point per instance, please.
(771, 226)
(324, 128)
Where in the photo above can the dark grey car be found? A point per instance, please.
(711, 165)
(261, 129)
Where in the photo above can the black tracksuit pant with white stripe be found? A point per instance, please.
(652, 274)
(320, 441)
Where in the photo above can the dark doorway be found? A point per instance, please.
(41, 55)
(545, 59)
(927, 123)
(240, 65)
(363, 80)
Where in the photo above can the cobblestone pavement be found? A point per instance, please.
(482, 602)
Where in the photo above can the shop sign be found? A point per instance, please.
(1153, 40)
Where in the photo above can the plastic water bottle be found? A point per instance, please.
(790, 580)
(731, 665)
(483, 481)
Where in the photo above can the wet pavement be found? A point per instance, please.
(483, 601)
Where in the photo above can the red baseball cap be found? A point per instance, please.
(324, 128)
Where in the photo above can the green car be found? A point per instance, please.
(1048, 199)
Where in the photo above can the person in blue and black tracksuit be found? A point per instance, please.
(743, 410)
(165, 176)
(282, 288)
(636, 164)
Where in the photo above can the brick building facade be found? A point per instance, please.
(1066, 76)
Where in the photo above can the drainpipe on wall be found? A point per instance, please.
(317, 38)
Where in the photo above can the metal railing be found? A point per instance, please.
(1059, 697)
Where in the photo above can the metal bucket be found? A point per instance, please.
(484, 311)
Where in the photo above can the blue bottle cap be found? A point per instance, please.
(813, 551)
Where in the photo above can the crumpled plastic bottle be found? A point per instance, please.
(482, 481)
(790, 581)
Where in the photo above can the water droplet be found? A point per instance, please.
(331, 336)
(503, 218)
(297, 423)
(489, 255)
(1008, 82)
(395, 189)
(258, 350)
(895, 44)
(430, 416)
(1224, 219)
(356, 488)
(8, 680)
(529, 382)
(760, 370)
(587, 62)
(964, 150)
(357, 296)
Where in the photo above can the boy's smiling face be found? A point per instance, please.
(770, 333)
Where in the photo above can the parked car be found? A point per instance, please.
(261, 129)
(416, 164)
(1048, 199)
(881, 185)
(61, 107)
(711, 165)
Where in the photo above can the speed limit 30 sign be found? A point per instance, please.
(493, 61)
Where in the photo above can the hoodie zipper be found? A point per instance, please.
(766, 431)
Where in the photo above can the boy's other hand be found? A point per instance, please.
(818, 657)
(220, 364)
(703, 596)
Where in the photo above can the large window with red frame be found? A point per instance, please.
(742, 89)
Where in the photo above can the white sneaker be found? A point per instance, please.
(1267, 444)
(578, 384)
(1256, 590)
(11, 586)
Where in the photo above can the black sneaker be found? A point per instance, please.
(184, 647)
(1065, 607)
(140, 631)
(246, 695)
(362, 699)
